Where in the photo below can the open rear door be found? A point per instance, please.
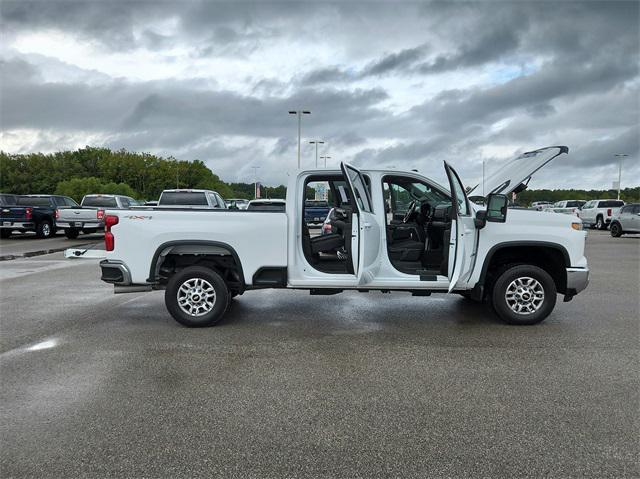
(365, 228)
(462, 225)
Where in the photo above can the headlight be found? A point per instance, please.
(577, 226)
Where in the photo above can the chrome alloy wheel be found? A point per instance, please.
(196, 297)
(46, 229)
(524, 295)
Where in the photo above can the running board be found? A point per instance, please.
(138, 288)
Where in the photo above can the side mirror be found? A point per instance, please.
(497, 208)
(480, 220)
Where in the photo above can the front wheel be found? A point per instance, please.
(197, 297)
(71, 233)
(616, 230)
(524, 294)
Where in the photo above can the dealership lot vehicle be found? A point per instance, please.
(626, 220)
(598, 213)
(315, 212)
(192, 198)
(541, 205)
(388, 384)
(237, 203)
(519, 260)
(567, 207)
(266, 205)
(88, 218)
(33, 213)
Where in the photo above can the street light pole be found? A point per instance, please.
(325, 158)
(316, 142)
(299, 113)
(621, 156)
(255, 181)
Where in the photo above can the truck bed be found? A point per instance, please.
(259, 238)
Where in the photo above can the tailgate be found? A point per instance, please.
(12, 213)
(78, 213)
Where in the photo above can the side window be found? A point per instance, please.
(360, 190)
(463, 207)
(212, 200)
(125, 202)
(58, 201)
(221, 201)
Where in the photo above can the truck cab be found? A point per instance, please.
(393, 231)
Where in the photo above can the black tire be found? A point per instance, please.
(220, 303)
(5, 233)
(44, 229)
(616, 230)
(600, 224)
(71, 233)
(507, 279)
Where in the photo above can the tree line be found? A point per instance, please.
(101, 170)
(144, 176)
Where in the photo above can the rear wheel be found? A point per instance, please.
(5, 233)
(197, 296)
(44, 229)
(616, 230)
(524, 294)
(600, 224)
(71, 233)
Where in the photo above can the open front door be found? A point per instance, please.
(365, 243)
(462, 225)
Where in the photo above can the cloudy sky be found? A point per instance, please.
(388, 84)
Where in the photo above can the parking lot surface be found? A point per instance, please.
(292, 385)
(23, 244)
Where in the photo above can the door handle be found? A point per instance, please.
(366, 226)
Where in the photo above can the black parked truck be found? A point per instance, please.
(32, 213)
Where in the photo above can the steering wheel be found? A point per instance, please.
(410, 211)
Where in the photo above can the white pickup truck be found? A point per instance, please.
(393, 231)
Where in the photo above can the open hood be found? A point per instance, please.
(514, 173)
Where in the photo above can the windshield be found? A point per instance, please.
(184, 198)
(105, 201)
(33, 201)
(6, 200)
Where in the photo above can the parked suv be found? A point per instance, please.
(598, 213)
(33, 213)
(627, 220)
(88, 218)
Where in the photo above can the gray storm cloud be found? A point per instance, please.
(403, 84)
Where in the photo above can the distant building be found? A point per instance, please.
(322, 192)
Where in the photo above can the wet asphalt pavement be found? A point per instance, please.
(292, 385)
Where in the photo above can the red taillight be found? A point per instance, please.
(28, 213)
(57, 214)
(100, 215)
(609, 212)
(109, 239)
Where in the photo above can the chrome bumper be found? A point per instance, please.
(17, 225)
(577, 280)
(83, 225)
(115, 272)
